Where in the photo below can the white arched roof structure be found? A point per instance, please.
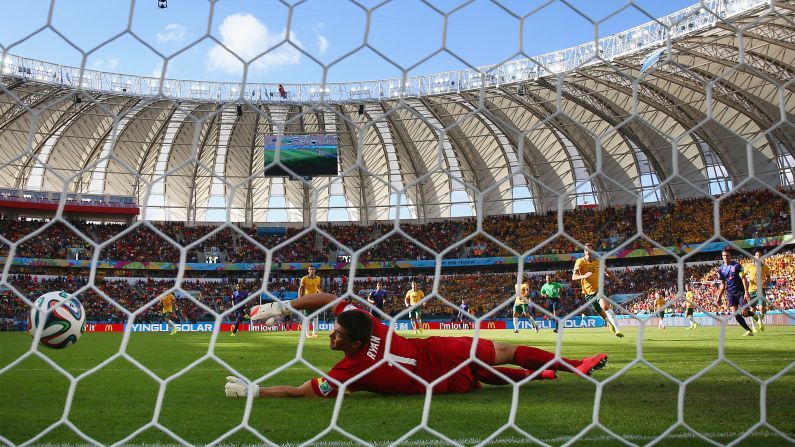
(584, 124)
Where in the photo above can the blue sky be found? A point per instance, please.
(479, 32)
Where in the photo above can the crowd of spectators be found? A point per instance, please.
(673, 224)
(489, 294)
(741, 216)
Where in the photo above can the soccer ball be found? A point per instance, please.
(61, 327)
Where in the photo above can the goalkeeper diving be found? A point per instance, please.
(361, 337)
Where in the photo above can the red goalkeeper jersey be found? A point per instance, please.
(428, 358)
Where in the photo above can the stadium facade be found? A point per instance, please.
(688, 105)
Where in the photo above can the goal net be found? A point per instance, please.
(650, 151)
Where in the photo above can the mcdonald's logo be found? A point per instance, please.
(108, 328)
(425, 326)
(491, 325)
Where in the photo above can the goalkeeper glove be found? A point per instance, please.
(269, 311)
(237, 387)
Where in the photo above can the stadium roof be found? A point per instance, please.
(670, 109)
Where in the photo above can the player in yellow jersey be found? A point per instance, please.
(659, 306)
(310, 285)
(689, 306)
(521, 306)
(169, 303)
(413, 297)
(756, 291)
(586, 270)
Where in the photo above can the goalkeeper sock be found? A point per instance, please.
(529, 357)
(486, 375)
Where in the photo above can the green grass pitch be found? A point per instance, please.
(640, 405)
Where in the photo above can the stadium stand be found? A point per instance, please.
(608, 227)
(483, 291)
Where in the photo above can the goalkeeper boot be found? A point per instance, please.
(231, 334)
(591, 364)
(748, 334)
(173, 331)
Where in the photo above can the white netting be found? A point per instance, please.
(583, 126)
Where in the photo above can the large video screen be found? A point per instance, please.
(306, 155)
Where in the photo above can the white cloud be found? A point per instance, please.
(105, 64)
(173, 33)
(247, 37)
(322, 43)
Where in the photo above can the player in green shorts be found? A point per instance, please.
(521, 307)
(689, 296)
(169, 303)
(586, 270)
(659, 306)
(413, 300)
(551, 291)
(310, 285)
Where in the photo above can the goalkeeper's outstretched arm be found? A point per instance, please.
(304, 390)
(314, 301)
(237, 387)
(270, 311)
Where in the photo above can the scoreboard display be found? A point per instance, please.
(306, 155)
